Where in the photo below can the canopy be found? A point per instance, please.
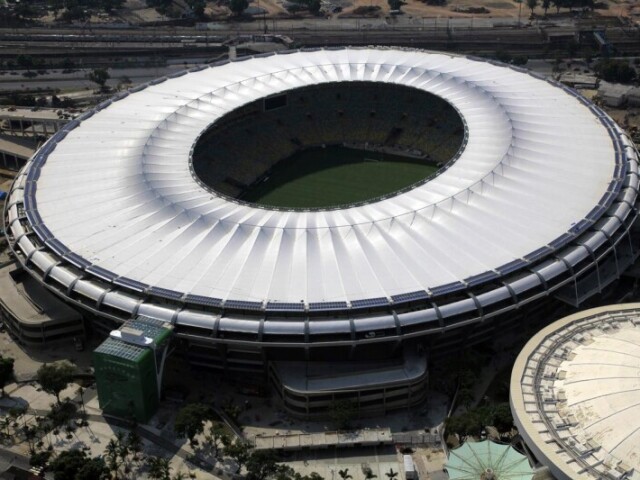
(487, 460)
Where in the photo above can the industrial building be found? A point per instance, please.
(535, 208)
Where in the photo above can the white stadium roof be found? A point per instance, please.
(574, 394)
(118, 190)
(538, 204)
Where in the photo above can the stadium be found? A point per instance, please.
(330, 219)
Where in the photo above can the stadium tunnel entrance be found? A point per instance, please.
(329, 146)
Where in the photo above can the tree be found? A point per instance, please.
(93, 469)
(503, 56)
(520, 60)
(39, 459)
(159, 4)
(590, 4)
(67, 65)
(25, 10)
(6, 371)
(311, 476)
(238, 6)
(532, 4)
(395, 4)
(134, 443)
(285, 472)
(368, 473)
(80, 392)
(118, 449)
(68, 464)
(197, 7)
(466, 397)
(55, 6)
(314, 6)
(545, 5)
(502, 417)
(75, 12)
(216, 436)
(391, 474)
(557, 4)
(99, 76)
(239, 451)
(124, 82)
(111, 5)
(190, 421)
(473, 421)
(112, 456)
(123, 446)
(618, 71)
(468, 423)
(55, 377)
(158, 468)
(25, 61)
(262, 464)
(344, 474)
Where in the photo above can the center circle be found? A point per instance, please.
(329, 145)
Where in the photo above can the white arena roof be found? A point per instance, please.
(109, 210)
(574, 394)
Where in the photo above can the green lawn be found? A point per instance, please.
(332, 176)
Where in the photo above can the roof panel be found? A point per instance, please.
(498, 202)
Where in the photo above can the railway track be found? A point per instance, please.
(138, 41)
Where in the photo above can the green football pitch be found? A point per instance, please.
(334, 176)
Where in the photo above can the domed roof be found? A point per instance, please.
(575, 394)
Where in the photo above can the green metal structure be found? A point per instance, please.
(487, 461)
(128, 368)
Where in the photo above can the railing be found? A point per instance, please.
(580, 326)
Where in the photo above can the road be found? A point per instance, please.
(77, 80)
(18, 460)
(55, 79)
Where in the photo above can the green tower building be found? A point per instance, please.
(128, 368)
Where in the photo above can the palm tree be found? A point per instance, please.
(134, 444)
(158, 468)
(80, 392)
(391, 474)
(111, 457)
(123, 447)
(546, 4)
(344, 474)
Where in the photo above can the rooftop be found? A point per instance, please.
(30, 302)
(487, 460)
(152, 328)
(574, 394)
(140, 214)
